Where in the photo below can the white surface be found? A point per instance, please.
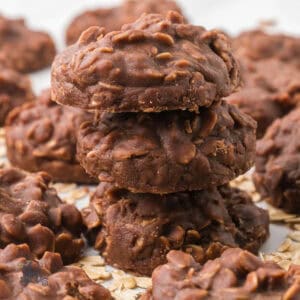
(230, 15)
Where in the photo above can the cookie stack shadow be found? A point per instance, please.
(164, 145)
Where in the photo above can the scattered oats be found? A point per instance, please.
(285, 264)
(143, 282)
(293, 220)
(245, 183)
(97, 273)
(64, 187)
(130, 283)
(295, 236)
(79, 193)
(285, 246)
(277, 215)
(92, 260)
(2, 151)
(125, 294)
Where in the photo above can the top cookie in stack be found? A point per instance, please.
(151, 65)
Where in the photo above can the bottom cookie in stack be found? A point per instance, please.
(134, 232)
(237, 274)
(24, 277)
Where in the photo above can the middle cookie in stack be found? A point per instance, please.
(164, 143)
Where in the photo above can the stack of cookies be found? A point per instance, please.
(163, 144)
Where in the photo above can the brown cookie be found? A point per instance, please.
(259, 45)
(237, 274)
(32, 213)
(258, 103)
(277, 173)
(25, 277)
(134, 232)
(114, 18)
(41, 136)
(23, 49)
(154, 64)
(170, 151)
(15, 89)
(271, 75)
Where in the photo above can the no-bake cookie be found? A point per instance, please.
(25, 277)
(41, 136)
(15, 89)
(113, 18)
(170, 151)
(270, 68)
(237, 274)
(23, 49)
(134, 232)
(277, 173)
(154, 64)
(32, 213)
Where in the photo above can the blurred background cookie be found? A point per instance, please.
(41, 136)
(23, 49)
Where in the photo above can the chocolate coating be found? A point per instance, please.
(114, 18)
(259, 45)
(15, 89)
(134, 232)
(278, 163)
(41, 136)
(270, 68)
(237, 274)
(32, 213)
(154, 64)
(25, 277)
(170, 151)
(23, 49)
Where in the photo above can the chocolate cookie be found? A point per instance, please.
(15, 89)
(277, 173)
(41, 136)
(270, 71)
(113, 18)
(23, 49)
(237, 274)
(32, 213)
(24, 277)
(134, 232)
(170, 151)
(258, 103)
(259, 45)
(154, 64)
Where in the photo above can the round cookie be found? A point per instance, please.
(154, 64)
(41, 136)
(25, 277)
(170, 151)
(257, 103)
(113, 18)
(23, 49)
(237, 274)
(32, 213)
(259, 45)
(278, 163)
(15, 89)
(134, 232)
(270, 69)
